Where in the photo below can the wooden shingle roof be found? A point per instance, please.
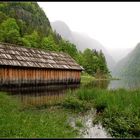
(13, 55)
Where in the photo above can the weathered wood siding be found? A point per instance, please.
(20, 75)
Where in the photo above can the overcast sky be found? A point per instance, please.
(116, 25)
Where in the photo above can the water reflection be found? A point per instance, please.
(51, 94)
(127, 83)
(55, 93)
(40, 95)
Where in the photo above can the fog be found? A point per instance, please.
(116, 25)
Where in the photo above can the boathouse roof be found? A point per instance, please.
(13, 55)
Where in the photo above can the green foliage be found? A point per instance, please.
(22, 26)
(80, 58)
(2, 17)
(86, 78)
(94, 63)
(117, 110)
(75, 104)
(9, 31)
(68, 47)
(78, 123)
(30, 13)
(32, 40)
(48, 43)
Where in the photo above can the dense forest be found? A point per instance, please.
(25, 23)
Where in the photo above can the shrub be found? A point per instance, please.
(74, 103)
(78, 123)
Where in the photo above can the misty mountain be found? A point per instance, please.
(130, 65)
(120, 53)
(62, 28)
(81, 40)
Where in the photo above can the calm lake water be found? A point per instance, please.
(40, 95)
(53, 94)
(127, 83)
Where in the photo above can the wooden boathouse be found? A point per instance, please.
(27, 66)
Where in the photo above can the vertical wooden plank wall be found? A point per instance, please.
(26, 74)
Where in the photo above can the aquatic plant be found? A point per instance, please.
(117, 110)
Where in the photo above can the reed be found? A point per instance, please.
(117, 110)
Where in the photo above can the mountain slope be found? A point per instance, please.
(26, 24)
(119, 54)
(29, 16)
(62, 29)
(130, 65)
(81, 41)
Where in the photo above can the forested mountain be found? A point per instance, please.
(82, 41)
(25, 23)
(27, 15)
(130, 65)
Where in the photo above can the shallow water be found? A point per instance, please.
(88, 130)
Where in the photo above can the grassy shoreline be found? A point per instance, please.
(86, 78)
(117, 110)
(35, 122)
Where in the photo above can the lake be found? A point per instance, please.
(55, 93)
(40, 95)
(127, 83)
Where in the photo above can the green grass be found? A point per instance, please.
(18, 122)
(86, 78)
(78, 123)
(117, 110)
